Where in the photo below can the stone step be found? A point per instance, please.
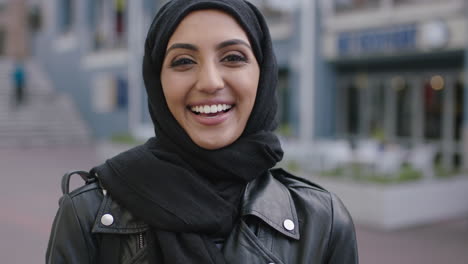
(46, 118)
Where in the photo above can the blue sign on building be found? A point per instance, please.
(379, 40)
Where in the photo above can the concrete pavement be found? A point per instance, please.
(29, 192)
(439, 243)
(30, 188)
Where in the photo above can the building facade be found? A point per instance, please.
(397, 71)
(14, 29)
(92, 51)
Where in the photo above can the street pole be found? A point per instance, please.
(135, 54)
(307, 70)
(465, 98)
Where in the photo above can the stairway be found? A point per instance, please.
(47, 118)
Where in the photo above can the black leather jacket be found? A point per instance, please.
(285, 219)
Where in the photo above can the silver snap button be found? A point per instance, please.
(107, 219)
(288, 225)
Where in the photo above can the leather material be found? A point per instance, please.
(323, 230)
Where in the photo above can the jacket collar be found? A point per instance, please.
(270, 200)
(265, 197)
(114, 219)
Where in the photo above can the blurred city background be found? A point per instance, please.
(373, 106)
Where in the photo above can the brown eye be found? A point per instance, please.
(182, 61)
(234, 58)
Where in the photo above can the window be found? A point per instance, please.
(377, 109)
(353, 109)
(346, 5)
(458, 108)
(108, 23)
(65, 16)
(2, 42)
(35, 18)
(403, 107)
(433, 104)
(284, 103)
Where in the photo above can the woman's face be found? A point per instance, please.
(210, 77)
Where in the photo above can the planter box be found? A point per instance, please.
(401, 205)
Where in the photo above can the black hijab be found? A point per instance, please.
(187, 194)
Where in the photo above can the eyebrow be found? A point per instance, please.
(221, 45)
(182, 46)
(232, 42)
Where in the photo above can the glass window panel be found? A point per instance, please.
(94, 12)
(66, 16)
(284, 99)
(458, 105)
(403, 109)
(433, 107)
(353, 109)
(377, 109)
(108, 23)
(2, 42)
(97, 23)
(346, 5)
(120, 25)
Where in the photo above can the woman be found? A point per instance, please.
(203, 190)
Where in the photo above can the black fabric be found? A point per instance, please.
(110, 249)
(187, 194)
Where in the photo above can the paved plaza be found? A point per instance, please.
(30, 188)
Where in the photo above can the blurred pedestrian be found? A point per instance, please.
(19, 82)
(203, 190)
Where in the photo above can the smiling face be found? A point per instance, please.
(210, 78)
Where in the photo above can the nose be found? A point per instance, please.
(210, 79)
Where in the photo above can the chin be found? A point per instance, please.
(213, 144)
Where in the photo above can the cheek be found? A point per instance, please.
(248, 85)
(174, 89)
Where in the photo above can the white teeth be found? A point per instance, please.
(210, 109)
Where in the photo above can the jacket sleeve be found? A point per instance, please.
(342, 246)
(70, 240)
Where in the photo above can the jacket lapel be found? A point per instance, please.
(114, 219)
(269, 200)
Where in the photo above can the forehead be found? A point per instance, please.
(208, 25)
